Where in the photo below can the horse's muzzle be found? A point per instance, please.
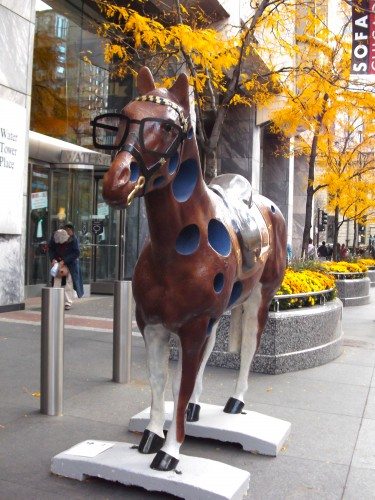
(116, 182)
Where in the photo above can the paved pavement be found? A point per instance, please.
(330, 453)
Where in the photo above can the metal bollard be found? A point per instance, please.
(122, 331)
(52, 351)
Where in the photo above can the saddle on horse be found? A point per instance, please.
(246, 218)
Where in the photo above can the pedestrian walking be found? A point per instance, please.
(64, 256)
(289, 254)
(311, 250)
(344, 251)
(323, 251)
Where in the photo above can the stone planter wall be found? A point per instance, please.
(292, 340)
(371, 275)
(354, 292)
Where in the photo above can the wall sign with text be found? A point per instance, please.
(13, 127)
(363, 37)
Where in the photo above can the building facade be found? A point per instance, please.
(53, 81)
(16, 35)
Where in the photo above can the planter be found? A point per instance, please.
(293, 340)
(353, 292)
(371, 275)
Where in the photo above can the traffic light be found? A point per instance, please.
(324, 218)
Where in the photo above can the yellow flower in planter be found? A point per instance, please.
(345, 267)
(367, 262)
(301, 282)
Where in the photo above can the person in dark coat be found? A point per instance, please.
(64, 249)
(323, 251)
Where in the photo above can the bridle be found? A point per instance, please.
(147, 172)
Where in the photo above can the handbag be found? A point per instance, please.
(54, 270)
(63, 271)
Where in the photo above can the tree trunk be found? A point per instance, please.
(211, 145)
(210, 165)
(311, 178)
(355, 237)
(309, 196)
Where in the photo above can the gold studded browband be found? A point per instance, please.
(166, 102)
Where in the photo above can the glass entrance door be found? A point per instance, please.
(57, 196)
(105, 231)
(38, 226)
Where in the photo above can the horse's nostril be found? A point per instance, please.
(123, 176)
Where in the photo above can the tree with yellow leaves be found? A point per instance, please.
(217, 61)
(322, 104)
(348, 172)
(356, 203)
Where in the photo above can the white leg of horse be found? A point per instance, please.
(248, 347)
(193, 341)
(157, 347)
(171, 446)
(193, 406)
(235, 329)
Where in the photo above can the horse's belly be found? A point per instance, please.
(174, 296)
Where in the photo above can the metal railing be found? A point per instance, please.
(322, 293)
(342, 276)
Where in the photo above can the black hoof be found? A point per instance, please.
(192, 412)
(150, 442)
(163, 461)
(233, 406)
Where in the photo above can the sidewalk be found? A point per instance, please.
(330, 453)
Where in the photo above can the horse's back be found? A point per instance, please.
(250, 216)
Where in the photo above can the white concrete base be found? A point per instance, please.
(255, 432)
(199, 478)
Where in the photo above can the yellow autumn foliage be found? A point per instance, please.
(212, 53)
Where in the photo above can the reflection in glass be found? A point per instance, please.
(71, 85)
(38, 227)
(70, 78)
(105, 239)
(82, 200)
(71, 81)
(60, 203)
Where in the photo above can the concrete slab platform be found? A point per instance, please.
(195, 478)
(255, 432)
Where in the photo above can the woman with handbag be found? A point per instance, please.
(64, 255)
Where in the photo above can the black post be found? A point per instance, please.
(318, 225)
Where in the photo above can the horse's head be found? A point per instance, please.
(146, 138)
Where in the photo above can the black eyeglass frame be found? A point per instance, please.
(115, 147)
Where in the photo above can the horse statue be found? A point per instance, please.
(210, 249)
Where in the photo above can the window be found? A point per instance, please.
(61, 27)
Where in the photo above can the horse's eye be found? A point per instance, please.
(167, 127)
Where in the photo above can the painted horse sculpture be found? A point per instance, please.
(210, 249)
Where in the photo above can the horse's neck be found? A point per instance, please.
(167, 217)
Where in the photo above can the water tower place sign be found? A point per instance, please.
(12, 163)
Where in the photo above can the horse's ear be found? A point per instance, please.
(145, 81)
(180, 89)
